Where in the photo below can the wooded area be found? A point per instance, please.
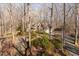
(39, 29)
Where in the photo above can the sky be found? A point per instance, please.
(36, 5)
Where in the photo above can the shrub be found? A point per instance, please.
(57, 43)
(44, 43)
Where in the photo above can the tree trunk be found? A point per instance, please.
(63, 27)
(50, 23)
(29, 18)
(76, 27)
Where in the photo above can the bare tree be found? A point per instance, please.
(1, 23)
(76, 26)
(29, 18)
(23, 21)
(50, 22)
(63, 27)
